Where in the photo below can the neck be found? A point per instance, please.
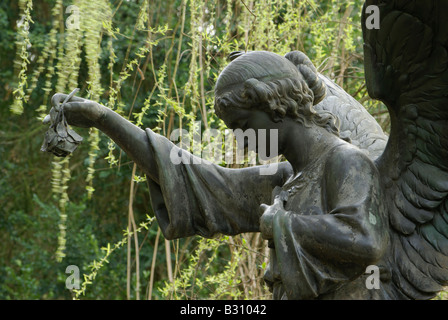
(304, 145)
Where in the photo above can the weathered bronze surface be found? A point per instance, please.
(349, 196)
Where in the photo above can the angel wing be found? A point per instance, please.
(406, 66)
(356, 124)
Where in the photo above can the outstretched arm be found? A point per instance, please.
(130, 138)
(188, 198)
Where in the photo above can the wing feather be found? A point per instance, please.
(406, 65)
(421, 273)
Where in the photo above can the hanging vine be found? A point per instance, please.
(23, 44)
(93, 13)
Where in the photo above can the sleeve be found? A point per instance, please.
(194, 196)
(321, 251)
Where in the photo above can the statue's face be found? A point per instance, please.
(252, 120)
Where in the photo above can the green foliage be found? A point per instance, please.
(23, 43)
(95, 266)
(154, 62)
(195, 282)
(37, 275)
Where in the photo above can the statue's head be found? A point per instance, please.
(279, 86)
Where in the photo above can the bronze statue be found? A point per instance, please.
(348, 196)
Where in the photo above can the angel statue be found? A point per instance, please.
(349, 196)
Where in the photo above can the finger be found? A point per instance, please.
(58, 98)
(277, 201)
(262, 208)
(283, 196)
(281, 199)
(90, 108)
(47, 119)
(75, 106)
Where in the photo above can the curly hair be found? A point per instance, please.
(281, 86)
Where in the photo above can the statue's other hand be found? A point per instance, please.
(267, 214)
(79, 112)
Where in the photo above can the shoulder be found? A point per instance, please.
(348, 159)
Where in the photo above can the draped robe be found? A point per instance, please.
(332, 228)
